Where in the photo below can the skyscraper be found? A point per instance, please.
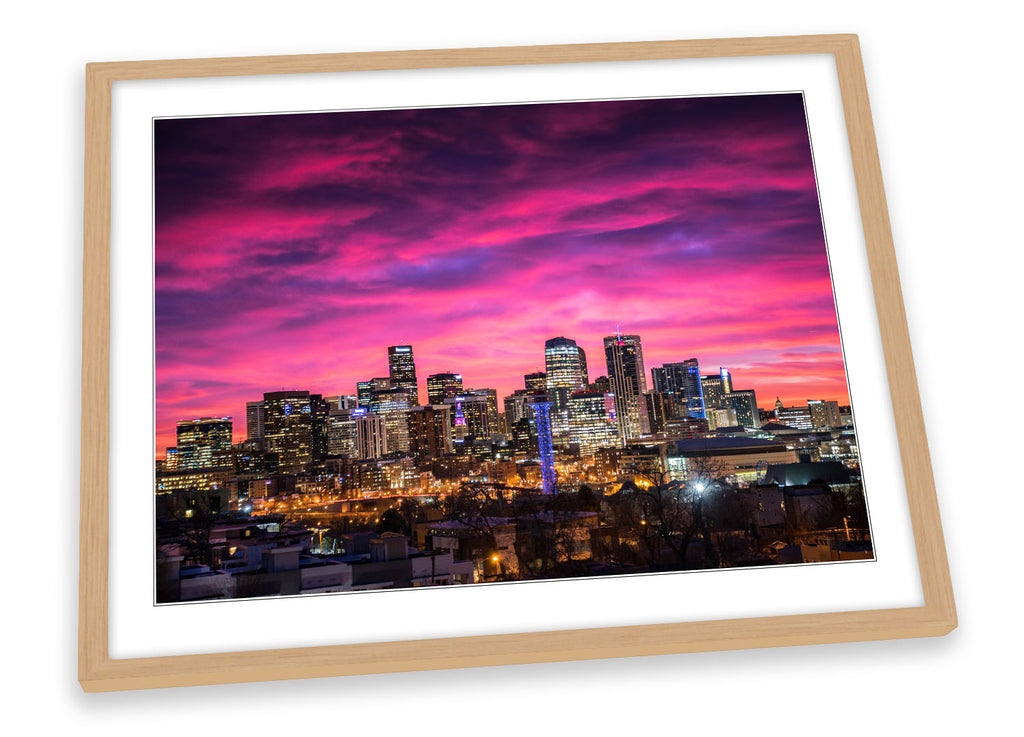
(203, 443)
(402, 371)
(537, 381)
(714, 394)
(443, 386)
(470, 415)
(659, 410)
(592, 422)
(393, 405)
(371, 435)
(493, 422)
(289, 429)
(726, 380)
(341, 432)
(430, 433)
(564, 364)
(517, 406)
(319, 415)
(625, 360)
(682, 382)
(524, 436)
(254, 420)
(364, 393)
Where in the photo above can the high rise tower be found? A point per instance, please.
(537, 381)
(565, 371)
(714, 394)
(202, 443)
(726, 380)
(255, 417)
(625, 360)
(443, 386)
(402, 371)
(682, 381)
(393, 405)
(289, 429)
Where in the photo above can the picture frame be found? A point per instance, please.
(100, 671)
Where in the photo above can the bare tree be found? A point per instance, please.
(480, 509)
(664, 515)
(189, 516)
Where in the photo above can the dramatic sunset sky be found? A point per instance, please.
(291, 250)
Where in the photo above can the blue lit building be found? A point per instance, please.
(542, 414)
(683, 383)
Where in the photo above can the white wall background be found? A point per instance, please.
(944, 88)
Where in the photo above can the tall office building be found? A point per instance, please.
(524, 436)
(744, 402)
(592, 421)
(393, 405)
(564, 364)
(537, 381)
(402, 371)
(341, 431)
(203, 443)
(254, 420)
(371, 435)
(714, 394)
(625, 360)
(443, 386)
(289, 429)
(682, 382)
(469, 415)
(366, 389)
(364, 393)
(659, 410)
(493, 421)
(584, 371)
(319, 414)
(726, 380)
(517, 406)
(430, 433)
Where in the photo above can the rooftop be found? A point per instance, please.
(713, 445)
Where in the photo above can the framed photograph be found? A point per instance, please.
(436, 359)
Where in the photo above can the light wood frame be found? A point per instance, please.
(98, 672)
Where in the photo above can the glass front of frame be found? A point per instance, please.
(453, 346)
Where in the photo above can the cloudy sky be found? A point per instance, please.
(291, 250)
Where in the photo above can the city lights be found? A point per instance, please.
(498, 343)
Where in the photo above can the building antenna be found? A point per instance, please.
(618, 329)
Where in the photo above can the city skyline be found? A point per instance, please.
(239, 423)
(301, 242)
